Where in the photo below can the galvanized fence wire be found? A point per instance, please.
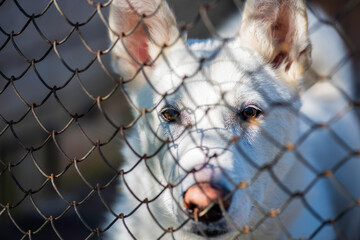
(10, 162)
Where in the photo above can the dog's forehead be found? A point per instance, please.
(206, 72)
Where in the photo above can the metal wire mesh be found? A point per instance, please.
(65, 115)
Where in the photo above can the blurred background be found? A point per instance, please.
(50, 77)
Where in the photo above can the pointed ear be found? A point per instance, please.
(277, 29)
(139, 29)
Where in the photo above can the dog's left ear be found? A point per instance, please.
(139, 29)
(277, 29)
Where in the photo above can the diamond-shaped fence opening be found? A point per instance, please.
(65, 115)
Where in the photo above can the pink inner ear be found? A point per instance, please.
(282, 31)
(283, 28)
(137, 42)
(277, 15)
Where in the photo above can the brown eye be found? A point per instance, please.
(171, 115)
(249, 113)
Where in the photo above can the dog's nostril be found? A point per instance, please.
(199, 198)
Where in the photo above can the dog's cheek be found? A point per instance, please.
(241, 209)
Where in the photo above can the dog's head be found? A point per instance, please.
(219, 113)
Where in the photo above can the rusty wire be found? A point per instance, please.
(17, 199)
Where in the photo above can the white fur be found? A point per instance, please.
(210, 95)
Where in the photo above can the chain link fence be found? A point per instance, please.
(64, 116)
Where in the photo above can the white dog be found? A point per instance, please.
(222, 148)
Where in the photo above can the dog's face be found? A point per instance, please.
(218, 112)
(224, 121)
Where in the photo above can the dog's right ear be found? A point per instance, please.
(139, 28)
(277, 29)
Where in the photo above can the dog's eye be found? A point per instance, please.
(170, 115)
(249, 113)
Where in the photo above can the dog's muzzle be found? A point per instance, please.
(205, 202)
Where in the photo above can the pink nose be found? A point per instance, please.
(199, 198)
